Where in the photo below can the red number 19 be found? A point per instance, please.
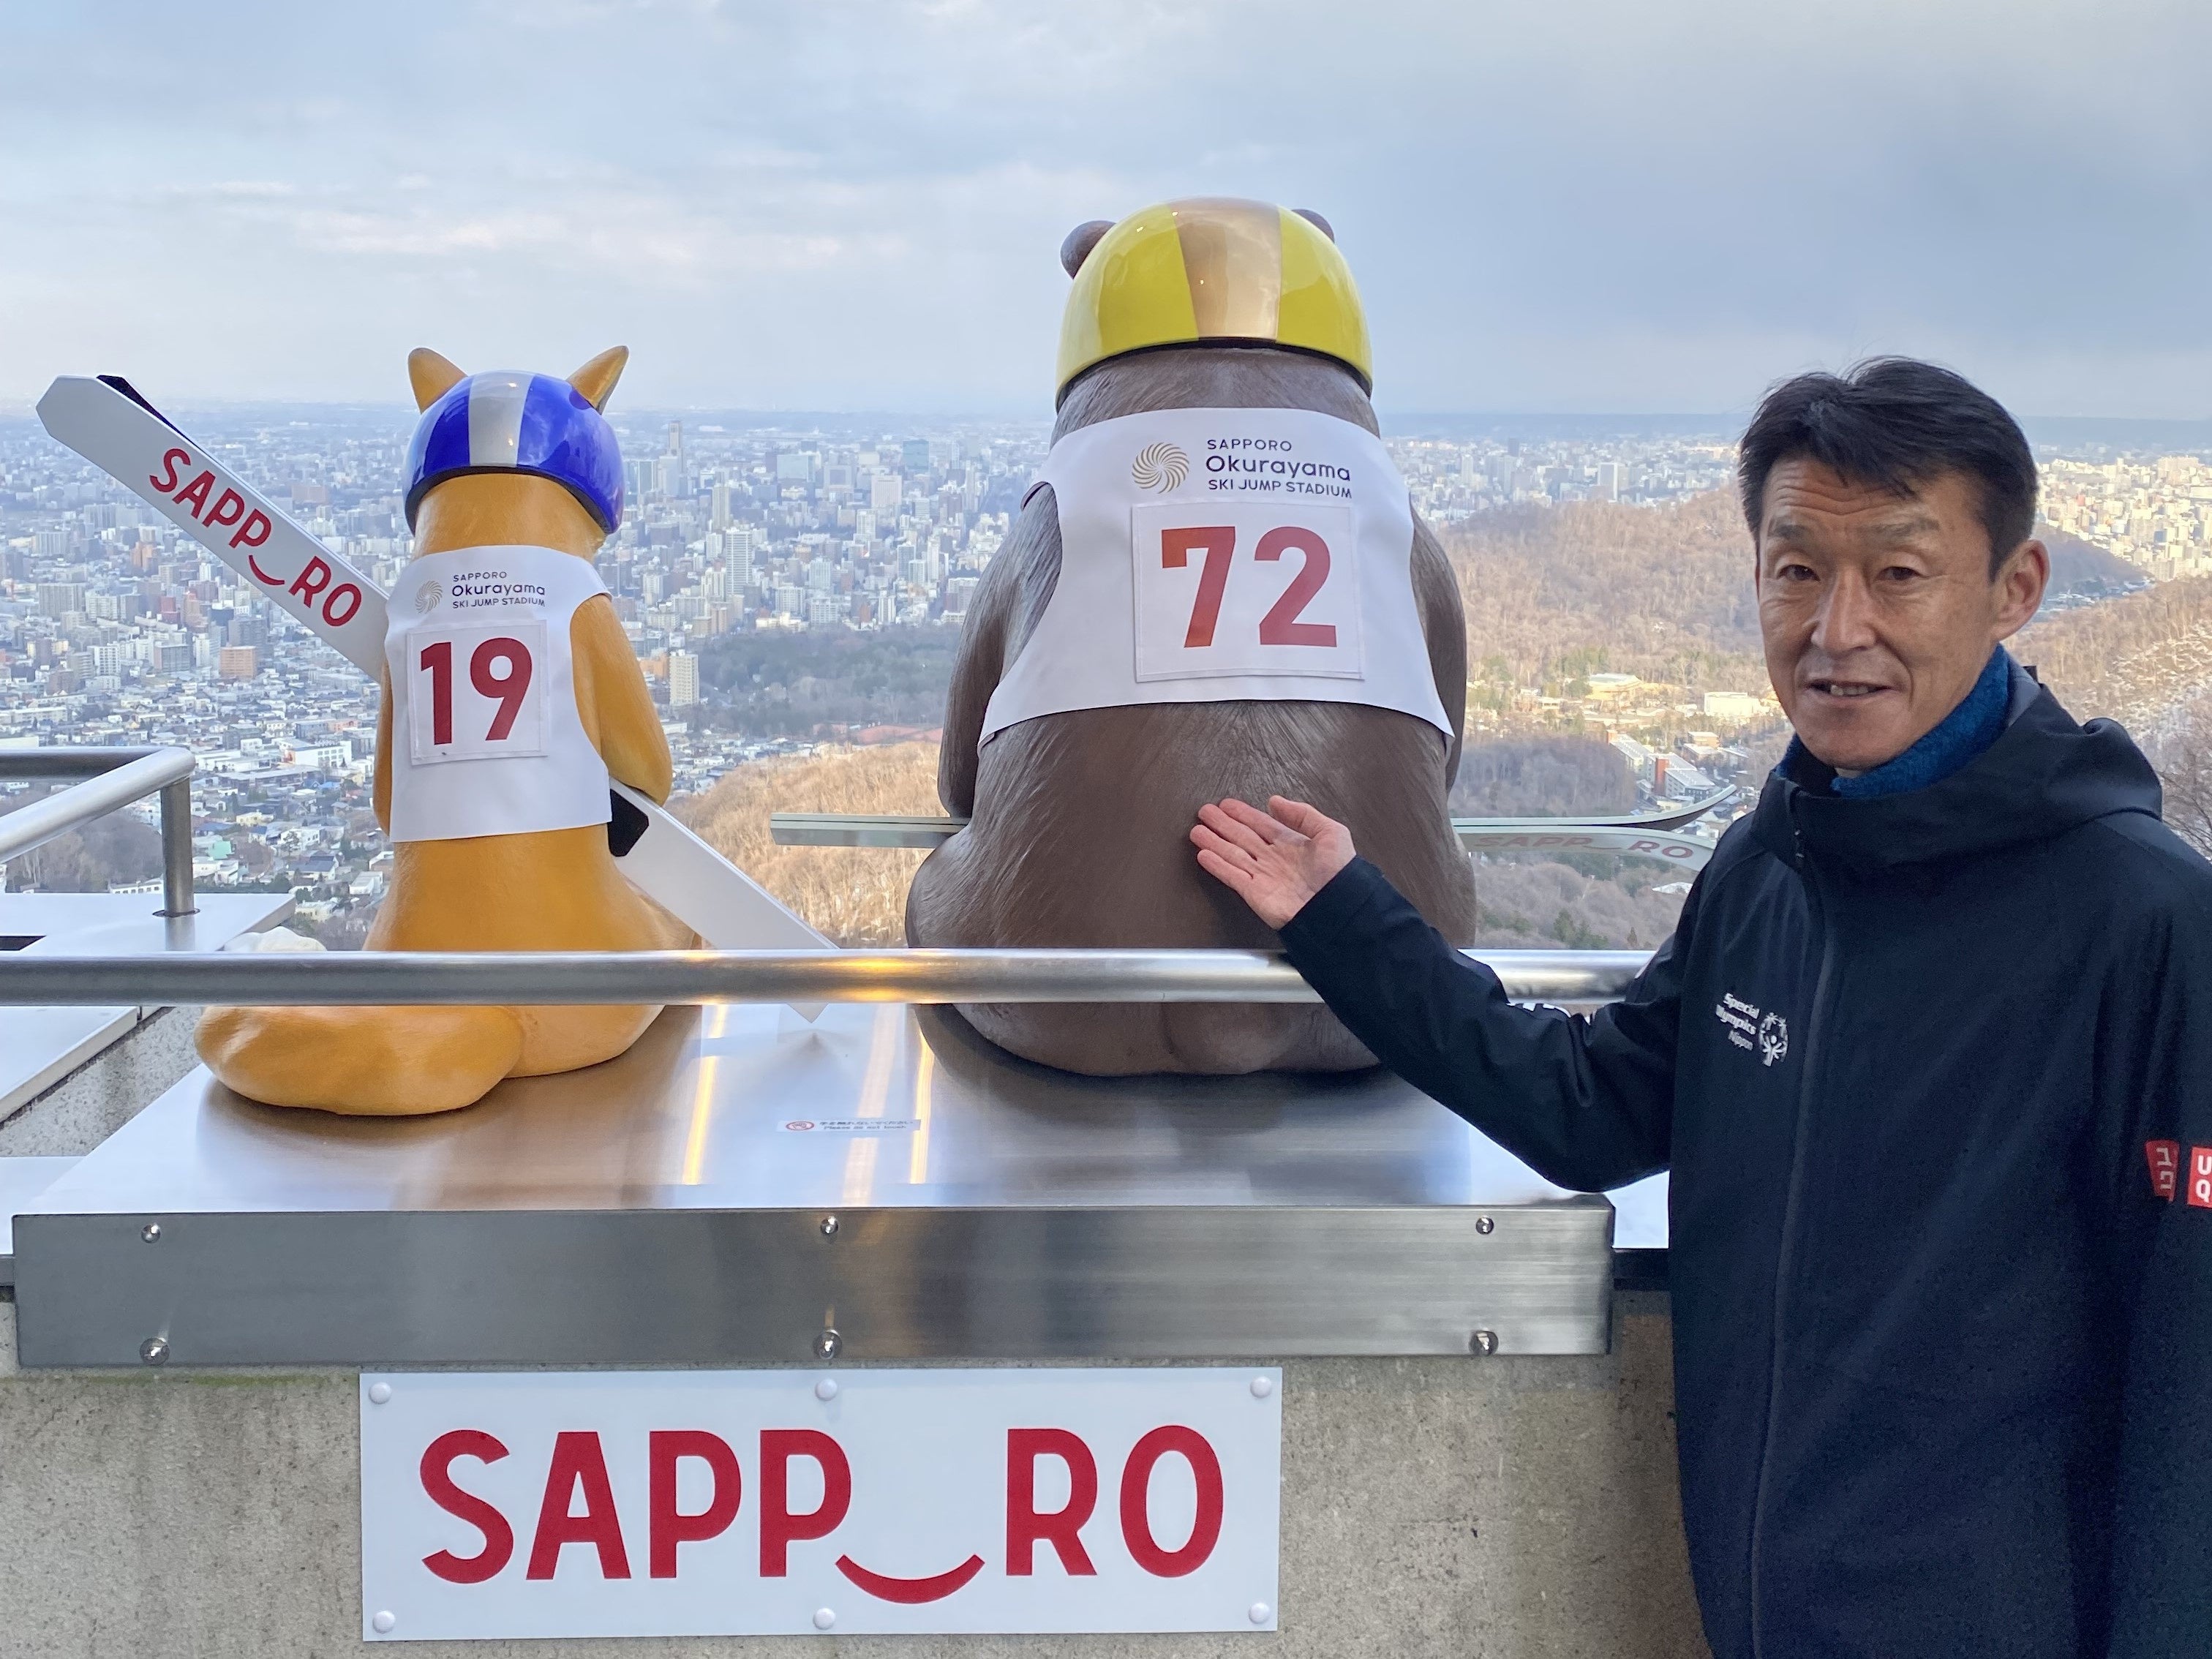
(505, 689)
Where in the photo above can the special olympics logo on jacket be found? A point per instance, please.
(1160, 467)
(1773, 1038)
(1763, 1032)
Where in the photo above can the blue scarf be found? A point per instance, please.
(1961, 738)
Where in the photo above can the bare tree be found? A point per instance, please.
(2184, 758)
(855, 895)
(91, 858)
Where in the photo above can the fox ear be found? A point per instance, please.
(431, 376)
(596, 380)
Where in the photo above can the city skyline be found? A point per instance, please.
(738, 547)
(856, 205)
(769, 576)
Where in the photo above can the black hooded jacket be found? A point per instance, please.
(1933, 1073)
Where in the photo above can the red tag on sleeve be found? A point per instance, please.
(2200, 1177)
(2165, 1158)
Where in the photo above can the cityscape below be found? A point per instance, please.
(748, 551)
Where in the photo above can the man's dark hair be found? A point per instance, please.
(1896, 423)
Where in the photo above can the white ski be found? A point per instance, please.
(126, 438)
(107, 422)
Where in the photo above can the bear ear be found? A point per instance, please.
(596, 380)
(1080, 241)
(1316, 221)
(431, 376)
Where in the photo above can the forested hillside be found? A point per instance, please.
(779, 682)
(855, 895)
(1553, 593)
(1542, 777)
(2136, 659)
(1665, 594)
(119, 848)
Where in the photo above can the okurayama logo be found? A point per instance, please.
(1160, 467)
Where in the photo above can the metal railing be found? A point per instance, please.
(113, 778)
(730, 977)
(1644, 832)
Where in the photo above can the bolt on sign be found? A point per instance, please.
(763, 1502)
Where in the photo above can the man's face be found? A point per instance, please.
(1877, 610)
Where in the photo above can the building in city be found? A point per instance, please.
(683, 679)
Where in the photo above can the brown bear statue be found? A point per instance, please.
(1218, 588)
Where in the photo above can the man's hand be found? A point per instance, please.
(1274, 860)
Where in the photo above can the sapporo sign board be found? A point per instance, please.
(790, 1502)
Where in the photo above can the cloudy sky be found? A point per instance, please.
(1575, 205)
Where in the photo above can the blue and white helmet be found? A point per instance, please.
(509, 421)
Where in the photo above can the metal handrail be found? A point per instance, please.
(113, 778)
(308, 979)
(1651, 832)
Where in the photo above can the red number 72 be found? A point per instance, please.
(1219, 543)
(1280, 626)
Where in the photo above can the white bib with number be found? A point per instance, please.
(1220, 555)
(485, 736)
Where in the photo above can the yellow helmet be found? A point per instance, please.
(1211, 268)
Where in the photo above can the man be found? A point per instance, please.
(1927, 1056)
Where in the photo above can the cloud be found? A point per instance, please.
(1591, 204)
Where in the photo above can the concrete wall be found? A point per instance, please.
(1467, 1507)
(92, 1103)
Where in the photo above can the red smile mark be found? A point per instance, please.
(910, 1592)
(273, 582)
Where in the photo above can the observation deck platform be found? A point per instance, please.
(744, 1187)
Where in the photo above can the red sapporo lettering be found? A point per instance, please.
(194, 495)
(578, 1461)
(671, 1526)
(1026, 1526)
(1136, 1502)
(779, 1527)
(437, 1474)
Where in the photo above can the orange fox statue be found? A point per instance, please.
(512, 697)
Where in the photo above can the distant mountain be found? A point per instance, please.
(2106, 438)
(1720, 428)
(2081, 570)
